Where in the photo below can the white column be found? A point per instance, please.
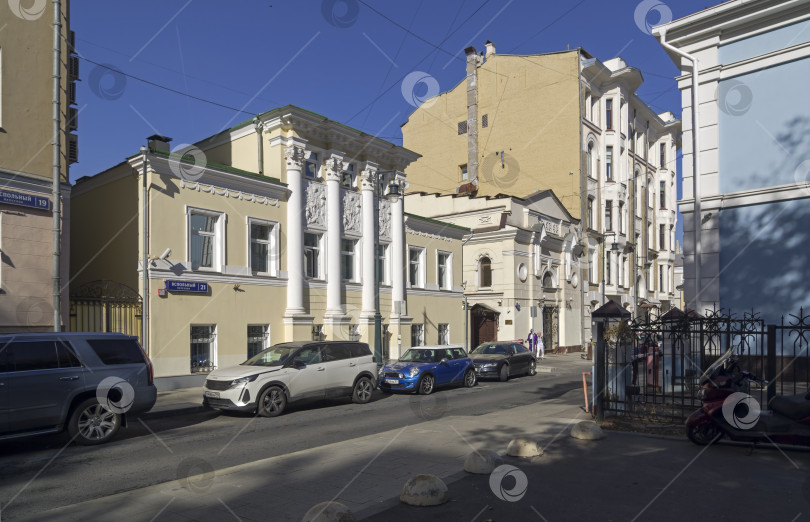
(334, 167)
(295, 230)
(398, 243)
(368, 179)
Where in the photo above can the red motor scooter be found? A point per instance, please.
(729, 411)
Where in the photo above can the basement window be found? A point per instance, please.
(485, 121)
(462, 128)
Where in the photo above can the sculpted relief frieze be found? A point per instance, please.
(316, 204)
(352, 213)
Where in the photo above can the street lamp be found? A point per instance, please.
(393, 193)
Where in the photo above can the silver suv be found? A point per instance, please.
(288, 372)
(86, 383)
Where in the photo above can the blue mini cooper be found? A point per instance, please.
(421, 369)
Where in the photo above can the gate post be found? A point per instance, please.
(771, 357)
(599, 361)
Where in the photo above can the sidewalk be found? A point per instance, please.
(617, 478)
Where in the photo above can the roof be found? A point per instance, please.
(610, 310)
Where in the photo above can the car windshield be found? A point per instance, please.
(490, 349)
(273, 356)
(424, 356)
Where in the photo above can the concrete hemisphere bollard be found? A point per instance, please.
(521, 447)
(587, 430)
(329, 512)
(482, 462)
(424, 490)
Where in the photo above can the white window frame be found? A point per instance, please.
(446, 339)
(314, 159)
(481, 272)
(354, 258)
(273, 261)
(219, 254)
(266, 338)
(448, 270)
(420, 267)
(385, 276)
(350, 175)
(320, 264)
(421, 334)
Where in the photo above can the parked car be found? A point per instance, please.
(503, 360)
(422, 369)
(87, 383)
(288, 372)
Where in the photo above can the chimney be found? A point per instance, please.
(490, 48)
(473, 62)
(158, 143)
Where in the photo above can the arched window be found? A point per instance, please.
(548, 280)
(485, 272)
(589, 160)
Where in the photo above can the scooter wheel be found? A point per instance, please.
(702, 434)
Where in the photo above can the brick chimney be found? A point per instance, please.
(474, 60)
(490, 48)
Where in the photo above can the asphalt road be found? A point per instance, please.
(43, 473)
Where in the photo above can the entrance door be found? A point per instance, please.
(551, 328)
(484, 327)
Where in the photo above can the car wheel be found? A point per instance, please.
(503, 373)
(426, 385)
(272, 402)
(91, 423)
(362, 391)
(469, 379)
(532, 368)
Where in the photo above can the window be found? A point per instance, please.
(309, 355)
(607, 267)
(609, 164)
(258, 338)
(312, 258)
(590, 212)
(621, 217)
(311, 167)
(463, 172)
(347, 177)
(662, 155)
(485, 121)
(117, 351)
(40, 355)
(662, 237)
(417, 335)
(444, 333)
(336, 352)
(347, 259)
(662, 192)
(382, 265)
(263, 249)
(660, 278)
(317, 332)
(484, 273)
(608, 215)
(206, 239)
(589, 160)
(622, 269)
(203, 348)
(609, 114)
(444, 268)
(462, 128)
(416, 266)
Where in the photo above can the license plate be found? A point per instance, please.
(392, 381)
(213, 395)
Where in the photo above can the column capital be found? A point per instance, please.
(334, 167)
(296, 156)
(368, 176)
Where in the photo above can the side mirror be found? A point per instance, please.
(299, 364)
(443, 361)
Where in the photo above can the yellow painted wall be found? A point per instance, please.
(532, 106)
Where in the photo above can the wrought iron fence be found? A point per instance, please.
(650, 368)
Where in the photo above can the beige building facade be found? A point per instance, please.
(566, 122)
(521, 265)
(27, 162)
(269, 232)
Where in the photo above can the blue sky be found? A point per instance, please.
(339, 58)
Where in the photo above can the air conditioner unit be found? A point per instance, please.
(73, 149)
(74, 67)
(73, 118)
(72, 93)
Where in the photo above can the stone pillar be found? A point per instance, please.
(334, 221)
(295, 157)
(368, 180)
(398, 245)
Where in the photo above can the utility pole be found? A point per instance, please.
(57, 166)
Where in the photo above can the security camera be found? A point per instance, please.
(166, 253)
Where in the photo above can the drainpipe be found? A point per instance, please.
(464, 286)
(57, 166)
(258, 125)
(695, 159)
(144, 260)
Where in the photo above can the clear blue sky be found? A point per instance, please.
(339, 58)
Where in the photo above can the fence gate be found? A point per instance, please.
(105, 306)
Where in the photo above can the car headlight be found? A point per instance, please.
(413, 371)
(489, 365)
(243, 380)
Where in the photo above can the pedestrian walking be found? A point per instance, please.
(531, 340)
(541, 348)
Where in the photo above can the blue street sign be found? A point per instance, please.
(186, 286)
(24, 200)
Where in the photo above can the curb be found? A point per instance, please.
(185, 410)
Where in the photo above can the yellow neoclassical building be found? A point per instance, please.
(270, 231)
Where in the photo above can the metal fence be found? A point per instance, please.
(650, 367)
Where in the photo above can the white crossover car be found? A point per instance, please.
(288, 372)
